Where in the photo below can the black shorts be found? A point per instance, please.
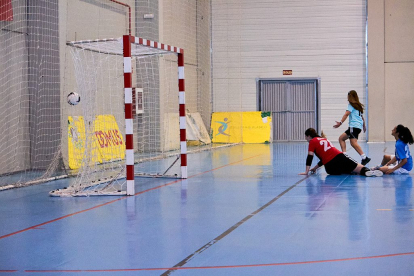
(341, 164)
(353, 132)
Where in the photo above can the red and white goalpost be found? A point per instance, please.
(129, 132)
(92, 151)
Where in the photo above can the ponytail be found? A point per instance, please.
(405, 134)
(354, 101)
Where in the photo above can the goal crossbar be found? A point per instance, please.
(139, 46)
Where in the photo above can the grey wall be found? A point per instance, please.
(317, 39)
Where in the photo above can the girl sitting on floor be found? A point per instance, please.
(401, 162)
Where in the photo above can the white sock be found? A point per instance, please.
(363, 156)
(344, 152)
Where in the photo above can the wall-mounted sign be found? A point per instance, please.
(287, 72)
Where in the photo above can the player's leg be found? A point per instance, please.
(384, 169)
(341, 164)
(399, 171)
(353, 138)
(357, 169)
(349, 165)
(342, 139)
(356, 146)
(386, 159)
(362, 170)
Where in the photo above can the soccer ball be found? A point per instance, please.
(73, 98)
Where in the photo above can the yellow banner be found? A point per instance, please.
(241, 127)
(107, 143)
(109, 139)
(76, 144)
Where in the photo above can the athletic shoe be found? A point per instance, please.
(374, 173)
(375, 168)
(365, 161)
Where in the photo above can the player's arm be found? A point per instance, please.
(320, 164)
(338, 124)
(308, 163)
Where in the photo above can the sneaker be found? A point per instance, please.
(375, 168)
(365, 161)
(374, 173)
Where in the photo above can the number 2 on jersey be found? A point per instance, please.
(326, 144)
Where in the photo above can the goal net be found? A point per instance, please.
(131, 94)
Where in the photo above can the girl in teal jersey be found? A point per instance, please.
(356, 125)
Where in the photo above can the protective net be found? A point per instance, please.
(30, 117)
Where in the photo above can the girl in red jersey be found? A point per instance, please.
(334, 160)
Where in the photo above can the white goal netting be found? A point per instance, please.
(96, 137)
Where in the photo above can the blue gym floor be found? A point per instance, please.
(244, 210)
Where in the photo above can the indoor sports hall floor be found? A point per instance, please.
(244, 210)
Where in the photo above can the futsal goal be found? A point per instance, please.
(131, 117)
